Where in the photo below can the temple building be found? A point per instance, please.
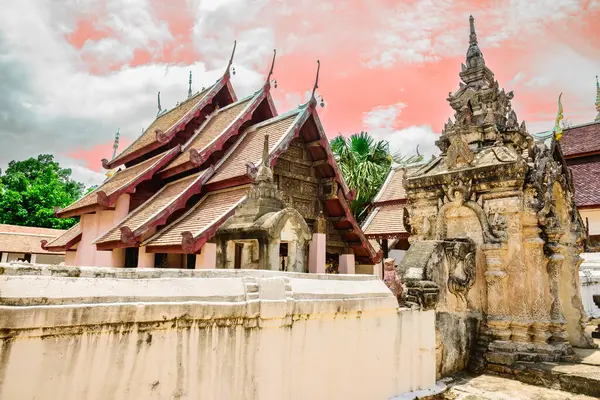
(581, 148)
(495, 235)
(384, 226)
(22, 243)
(222, 182)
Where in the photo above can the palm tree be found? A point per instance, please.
(365, 164)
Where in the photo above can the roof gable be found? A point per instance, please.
(165, 127)
(124, 181)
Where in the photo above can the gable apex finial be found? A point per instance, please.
(159, 107)
(190, 86)
(231, 60)
(272, 67)
(316, 85)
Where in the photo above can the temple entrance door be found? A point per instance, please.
(283, 256)
(131, 257)
(237, 260)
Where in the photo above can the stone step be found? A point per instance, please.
(571, 377)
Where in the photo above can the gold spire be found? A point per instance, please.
(597, 99)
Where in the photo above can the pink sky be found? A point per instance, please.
(387, 66)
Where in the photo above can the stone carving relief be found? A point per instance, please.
(460, 256)
(458, 154)
(458, 194)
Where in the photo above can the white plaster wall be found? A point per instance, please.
(50, 259)
(593, 218)
(212, 334)
(589, 282)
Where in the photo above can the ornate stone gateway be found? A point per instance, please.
(495, 235)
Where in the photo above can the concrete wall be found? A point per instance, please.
(107, 333)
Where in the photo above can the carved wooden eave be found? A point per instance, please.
(163, 138)
(107, 201)
(198, 157)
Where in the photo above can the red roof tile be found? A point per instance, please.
(586, 178)
(581, 139)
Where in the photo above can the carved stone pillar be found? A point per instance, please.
(496, 277)
(536, 280)
(556, 260)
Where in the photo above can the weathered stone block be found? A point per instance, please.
(501, 358)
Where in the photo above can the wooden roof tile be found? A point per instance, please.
(164, 122)
(250, 146)
(205, 213)
(587, 183)
(120, 180)
(25, 239)
(67, 237)
(213, 128)
(581, 139)
(150, 208)
(387, 220)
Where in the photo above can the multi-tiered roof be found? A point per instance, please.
(190, 170)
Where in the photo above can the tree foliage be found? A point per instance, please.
(30, 189)
(365, 163)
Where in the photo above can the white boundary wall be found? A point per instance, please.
(99, 333)
(589, 282)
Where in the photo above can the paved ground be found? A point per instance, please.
(488, 387)
(590, 356)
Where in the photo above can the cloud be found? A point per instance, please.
(428, 30)
(380, 122)
(52, 103)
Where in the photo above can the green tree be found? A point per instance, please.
(365, 164)
(30, 189)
